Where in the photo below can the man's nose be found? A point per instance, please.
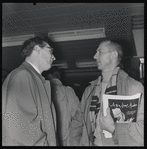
(53, 57)
(95, 56)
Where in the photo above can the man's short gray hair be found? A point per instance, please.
(114, 46)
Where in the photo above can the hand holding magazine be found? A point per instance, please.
(123, 109)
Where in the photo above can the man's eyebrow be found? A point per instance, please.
(51, 49)
(98, 50)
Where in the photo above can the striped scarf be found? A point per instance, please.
(110, 89)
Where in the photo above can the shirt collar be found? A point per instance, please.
(34, 67)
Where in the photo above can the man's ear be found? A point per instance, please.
(36, 48)
(114, 55)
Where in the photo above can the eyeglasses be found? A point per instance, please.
(49, 49)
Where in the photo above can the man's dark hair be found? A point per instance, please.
(29, 44)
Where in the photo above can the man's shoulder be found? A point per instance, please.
(92, 84)
(70, 89)
(20, 72)
(16, 77)
(134, 83)
(123, 76)
(15, 73)
(133, 86)
(89, 88)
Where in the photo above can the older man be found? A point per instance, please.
(28, 115)
(89, 121)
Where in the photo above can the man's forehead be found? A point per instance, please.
(102, 46)
(104, 43)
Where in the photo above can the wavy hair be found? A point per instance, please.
(29, 44)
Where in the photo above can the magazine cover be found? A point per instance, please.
(123, 109)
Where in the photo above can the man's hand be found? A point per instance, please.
(106, 122)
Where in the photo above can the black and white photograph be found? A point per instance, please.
(59, 59)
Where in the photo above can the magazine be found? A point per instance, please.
(123, 109)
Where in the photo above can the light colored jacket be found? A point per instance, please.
(28, 115)
(131, 134)
(66, 103)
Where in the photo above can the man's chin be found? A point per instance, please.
(49, 67)
(99, 67)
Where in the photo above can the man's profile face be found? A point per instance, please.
(103, 57)
(46, 57)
